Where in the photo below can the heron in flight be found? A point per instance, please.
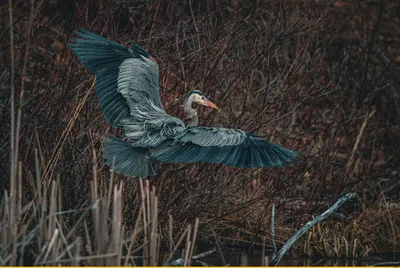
(129, 96)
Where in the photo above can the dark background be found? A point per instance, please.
(318, 77)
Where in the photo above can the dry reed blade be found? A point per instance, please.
(19, 196)
(145, 219)
(22, 90)
(153, 233)
(171, 254)
(50, 247)
(117, 228)
(170, 231)
(77, 256)
(135, 233)
(186, 259)
(153, 249)
(39, 149)
(148, 202)
(186, 253)
(99, 215)
(37, 191)
(360, 133)
(12, 231)
(64, 240)
(196, 227)
(89, 243)
(52, 212)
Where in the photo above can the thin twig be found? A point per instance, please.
(273, 229)
(219, 248)
(12, 229)
(196, 227)
(176, 245)
(360, 133)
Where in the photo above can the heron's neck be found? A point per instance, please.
(190, 113)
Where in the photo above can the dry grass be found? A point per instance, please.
(356, 237)
(307, 75)
(36, 234)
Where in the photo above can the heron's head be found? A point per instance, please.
(196, 98)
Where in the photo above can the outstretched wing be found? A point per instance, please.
(221, 145)
(124, 77)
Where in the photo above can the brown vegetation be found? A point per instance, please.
(318, 77)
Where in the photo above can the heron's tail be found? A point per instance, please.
(130, 161)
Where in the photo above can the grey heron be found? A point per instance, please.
(128, 93)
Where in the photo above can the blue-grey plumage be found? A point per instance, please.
(128, 93)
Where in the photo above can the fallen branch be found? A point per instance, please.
(388, 263)
(278, 256)
(179, 262)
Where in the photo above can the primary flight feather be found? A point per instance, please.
(129, 96)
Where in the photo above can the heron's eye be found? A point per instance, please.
(195, 105)
(202, 98)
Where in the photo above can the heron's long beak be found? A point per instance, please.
(210, 104)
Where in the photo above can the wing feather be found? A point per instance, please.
(220, 145)
(138, 82)
(103, 57)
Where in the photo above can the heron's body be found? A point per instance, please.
(128, 93)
